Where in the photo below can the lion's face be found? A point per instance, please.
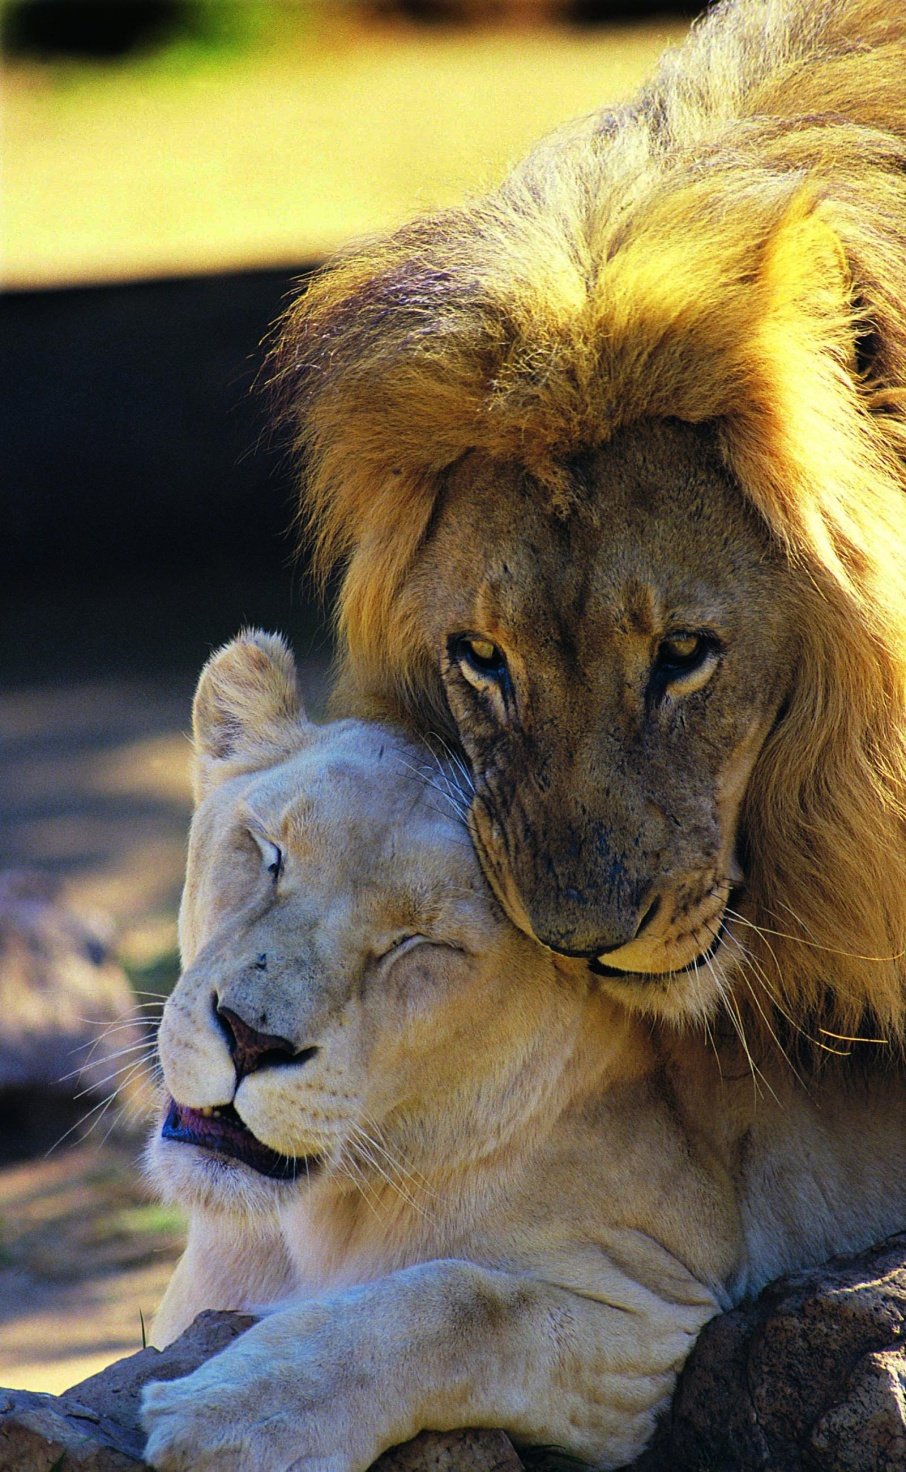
(613, 672)
(352, 996)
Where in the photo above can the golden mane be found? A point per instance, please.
(729, 248)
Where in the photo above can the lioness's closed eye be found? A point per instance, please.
(474, 1189)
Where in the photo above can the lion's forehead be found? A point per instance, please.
(648, 530)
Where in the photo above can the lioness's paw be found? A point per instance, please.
(208, 1428)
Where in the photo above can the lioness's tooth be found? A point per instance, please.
(207, 1111)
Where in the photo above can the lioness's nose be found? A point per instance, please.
(251, 1049)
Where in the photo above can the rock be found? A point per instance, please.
(61, 989)
(809, 1378)
(452, 1451)
(96, 1427)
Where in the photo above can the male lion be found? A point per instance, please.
(613, 460)
(475, 1188)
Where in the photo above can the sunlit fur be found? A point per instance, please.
(729, 248)
(523, 1199)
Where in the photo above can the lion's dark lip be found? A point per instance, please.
(223, 1133)
(598, 968)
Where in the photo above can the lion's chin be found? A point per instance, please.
(222, 1132)
(634, 973)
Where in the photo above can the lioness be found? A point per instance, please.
(474, 1187)
(612, 464)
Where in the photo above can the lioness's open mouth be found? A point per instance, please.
(222, 1131)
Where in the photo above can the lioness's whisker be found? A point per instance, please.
(132, 1018)
(123, 1073)
(348, 1167)
(367, 1145)
(131, 1107)
(396, 1162)
(102, 1105)
(91, 1062)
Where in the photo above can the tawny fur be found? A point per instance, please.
(515, 1200)
(729, 248)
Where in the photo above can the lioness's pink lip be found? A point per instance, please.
(223, 1132)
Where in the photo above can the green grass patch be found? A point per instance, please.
(153, 1219)
(156, 977)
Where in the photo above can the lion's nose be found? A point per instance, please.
(641, 925)
(251, 1049)
(587, 932)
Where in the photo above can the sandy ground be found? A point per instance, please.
(94, 787)
(283, 154)
(85, 1257)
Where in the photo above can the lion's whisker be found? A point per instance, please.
(817, 946)
(735, 1017)
(771, 993)
(449, 795)
(747, 960)
(454, 757)
(757, 976)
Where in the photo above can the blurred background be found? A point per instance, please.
(172, 170)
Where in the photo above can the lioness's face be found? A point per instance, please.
(613, 672)
(354, 1003)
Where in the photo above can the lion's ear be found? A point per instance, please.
(247, 708)
(809, 280)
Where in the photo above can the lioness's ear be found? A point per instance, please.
(247, 708)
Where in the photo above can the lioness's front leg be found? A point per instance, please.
(329, 1384)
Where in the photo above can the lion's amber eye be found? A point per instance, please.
(478, 655)
(681, 649)
(685, 654)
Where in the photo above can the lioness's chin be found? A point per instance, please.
(191, 1176)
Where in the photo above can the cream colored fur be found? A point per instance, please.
(529, 1199)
